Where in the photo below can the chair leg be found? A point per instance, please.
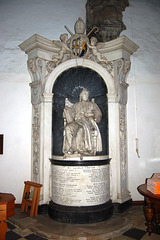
(24, 207)
(37, 201)
(33, 202)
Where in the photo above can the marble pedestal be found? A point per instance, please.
(80, 190)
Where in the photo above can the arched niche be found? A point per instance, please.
(111, 109)
(69, 84)
(108, 79)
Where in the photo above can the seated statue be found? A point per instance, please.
(81, 133)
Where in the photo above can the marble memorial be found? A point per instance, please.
(79, 126)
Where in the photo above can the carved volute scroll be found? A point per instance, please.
(36, 68)
(122, 67)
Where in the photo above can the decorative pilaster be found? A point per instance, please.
(39, 70)
(121, 71)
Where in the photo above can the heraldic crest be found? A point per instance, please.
(79, 46)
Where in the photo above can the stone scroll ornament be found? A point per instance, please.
(79, 46)
(81, 132)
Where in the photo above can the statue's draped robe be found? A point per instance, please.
(81, 125)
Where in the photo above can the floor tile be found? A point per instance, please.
(122, 237)
(135, 233)
(11, 235)
(137, 229)
(22, 239)
(21, 232)
(156, 229)
(10, 226)
(34, 237)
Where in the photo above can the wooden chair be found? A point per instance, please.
(26, 201)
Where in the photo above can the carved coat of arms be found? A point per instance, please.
(79, 46)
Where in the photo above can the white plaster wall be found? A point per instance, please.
(20, 19)
(142, 21)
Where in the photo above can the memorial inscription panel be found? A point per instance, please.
(80, 185)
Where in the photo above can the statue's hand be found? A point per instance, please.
(89, 115)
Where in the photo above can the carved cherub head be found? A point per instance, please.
(64, 37)
(93, 41)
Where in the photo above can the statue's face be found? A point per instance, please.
(84, 96)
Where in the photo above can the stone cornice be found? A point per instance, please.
(38, 42)
(36, 46)
(122, 43)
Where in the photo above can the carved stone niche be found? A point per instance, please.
(107, 16)
(48, 62)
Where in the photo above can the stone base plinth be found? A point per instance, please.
(80, 215)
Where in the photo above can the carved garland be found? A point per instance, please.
(36, 141)
(123, 142)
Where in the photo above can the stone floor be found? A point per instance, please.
(125, 226)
